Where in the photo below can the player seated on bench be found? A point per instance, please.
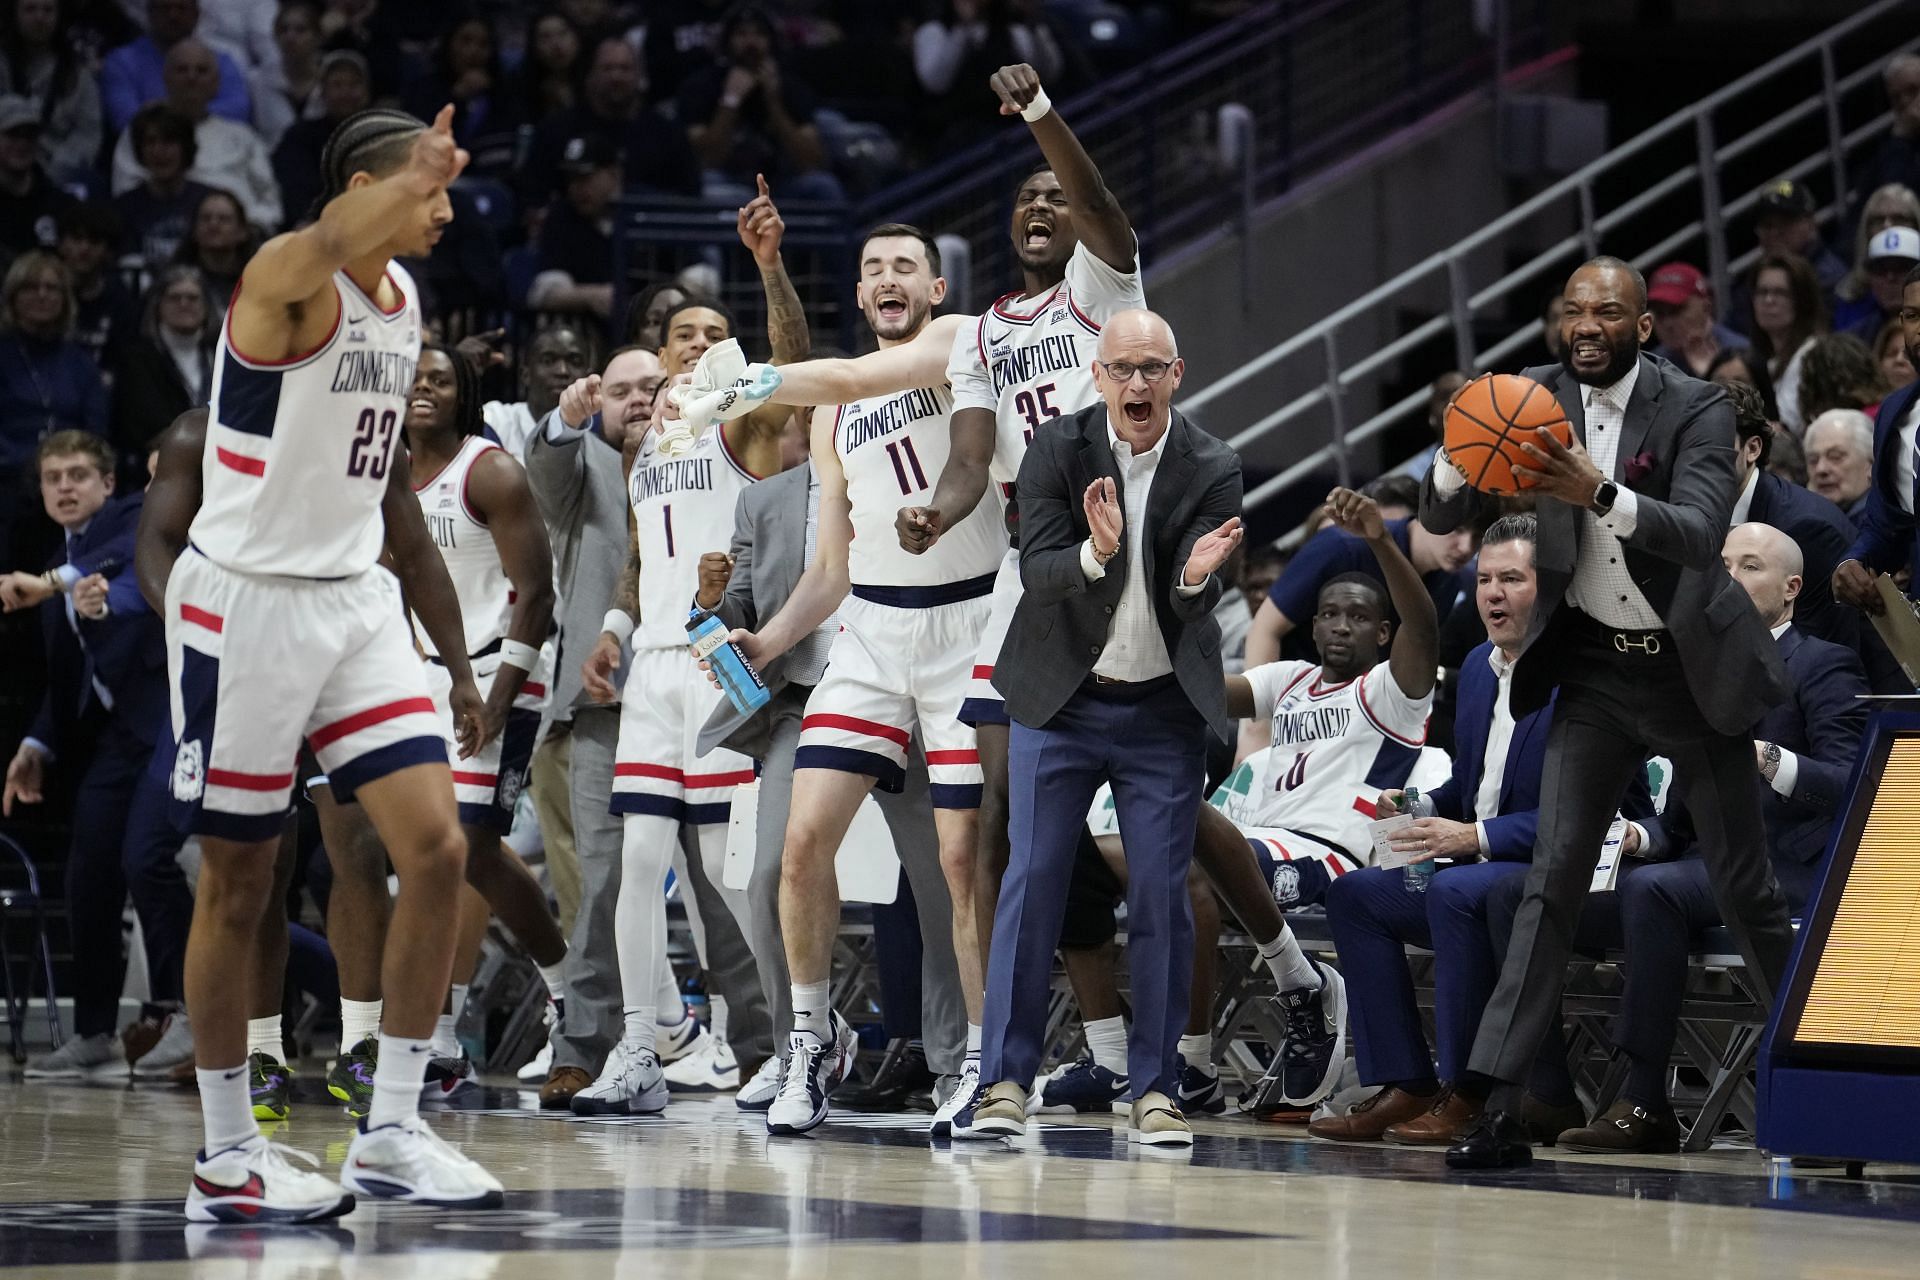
(1805, 749)
(1343, 732)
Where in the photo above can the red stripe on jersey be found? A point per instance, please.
(248, 781)
(466, 483)
(1082, 316)
(201, 618)
(1365, 806)
(1000, 309)
(1374, 720)
(720, 432)
(532, 690)
(708, 781)
(367, 719)
(853, 724)
(477, 779)
(983, 673)
(240, 462)
(953, 757)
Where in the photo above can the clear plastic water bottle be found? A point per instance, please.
(1418, 875)
(707, 636)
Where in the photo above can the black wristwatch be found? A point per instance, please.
(1605, 496)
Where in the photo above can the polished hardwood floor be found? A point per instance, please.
(91, 1178)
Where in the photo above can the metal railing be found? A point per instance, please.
(1663, 192)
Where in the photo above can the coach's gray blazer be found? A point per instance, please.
(1676, 454)
(582, 496)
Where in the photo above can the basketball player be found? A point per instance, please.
(281, 626)
(1343, 732)
(682, 486)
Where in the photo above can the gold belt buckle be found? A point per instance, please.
(1648, 645)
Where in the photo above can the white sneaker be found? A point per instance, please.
(813, 1071)
(409, 1161)
(536, 1071)
(758, 1093)
(630, 1084)
(942, 1126)
(174, 1047)
(253, 1183)
(711, 1068)
(95, 1057)
(674, 1041)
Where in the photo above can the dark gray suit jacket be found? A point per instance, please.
(1063, 620)
(582, 496)
(1682, 431)
(769, 555)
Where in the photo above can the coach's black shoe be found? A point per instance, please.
(1497, 1141)
(905, 1074)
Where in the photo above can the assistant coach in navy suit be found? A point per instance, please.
(1887, 528)
(1111, 672)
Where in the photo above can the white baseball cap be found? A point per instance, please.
(1894, 242)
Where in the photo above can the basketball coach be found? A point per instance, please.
(1654, 649)
(1111, 672)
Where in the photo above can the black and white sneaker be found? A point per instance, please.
(1316, 1045)
(801, 1103)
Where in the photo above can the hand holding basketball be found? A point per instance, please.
(1488, 424)
(1563, 471)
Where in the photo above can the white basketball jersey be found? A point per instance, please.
(683, 508)
(893, 449)
(466, 544)
(1030, 360)
(297, 450)
(1335, 749)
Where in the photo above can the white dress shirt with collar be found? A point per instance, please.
(1903, 457)
(1789, 771)
(1743, 504)
(1135, 649)
(1493, 769)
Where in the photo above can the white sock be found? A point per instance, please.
(550, 974)
(226, 1107)
(456, 1000)
(973, 1040)
(1197, 1051)
(397, 1078)
(813, 1009)
(359, 1020)
(717, 1017)
(1107, 1042)
(263, 1036)
(445, 1043)
(1288, 963)
(637, 1027)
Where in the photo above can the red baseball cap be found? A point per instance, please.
(1675, 284)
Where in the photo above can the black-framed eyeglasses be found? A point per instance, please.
(1123, 370)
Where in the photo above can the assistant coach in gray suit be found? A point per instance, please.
(1655, 650)
(1111, 672)
(775, 527)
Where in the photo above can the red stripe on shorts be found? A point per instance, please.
(853, 724)
(201, 618)
(665, 773)
(367, 719)
(241, 462)
(248, 781)
(953, 757)
(983, 673)
(701, 781)
(477, 779)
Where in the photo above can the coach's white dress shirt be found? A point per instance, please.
(1135, 649)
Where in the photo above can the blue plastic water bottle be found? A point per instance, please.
(1418, 874)
(708, 637)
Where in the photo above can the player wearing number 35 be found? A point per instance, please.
(1653, 648)
(1111, 671)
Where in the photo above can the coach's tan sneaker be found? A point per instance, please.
(1000, 1113)
(1157, 1122)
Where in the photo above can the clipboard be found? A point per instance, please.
(1899, 627)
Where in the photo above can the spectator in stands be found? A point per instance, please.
(288, 89)
(1805, 749)
(346, 86)
(1785, 225)
(1789, 458)
(218, 247)
(550, 74)
(467, 72)
(1840, 459)
(1740, 364)
(681, 40)
(30, 203)
(227, 155)
(102, 710)
(1485, 816)
(1890, 354)
(654, 153)
(38, 62)
(48, 382)
(1897, 159)
(1550, 335)
(1886, 523)
(1890, 255)
(576, 240)
(135, 75)
(558, 356)
(1838, 373)
(647, 314)
(1788, 313)
(168, 369)
(89, 241)
(1396, 495)
(748, 114)
(373, 32)
(1893, 205)
(156, 215)
(1440, 394)
(1684, 330)
(960, 49)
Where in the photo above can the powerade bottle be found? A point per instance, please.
(707, 636)
(1418, 874)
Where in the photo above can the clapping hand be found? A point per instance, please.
(1104, 517)
(1212, 550)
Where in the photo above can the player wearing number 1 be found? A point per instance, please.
(281, 626)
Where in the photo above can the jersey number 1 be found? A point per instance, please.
(1296, 773)
(367, 459)
(905, 460)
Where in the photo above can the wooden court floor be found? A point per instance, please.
(91, 1178)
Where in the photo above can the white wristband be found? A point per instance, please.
(523, 656)
(1040, 105)
(620, 622)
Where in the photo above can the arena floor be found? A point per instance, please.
(93, 1177)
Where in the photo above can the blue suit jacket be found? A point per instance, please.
(1821, 724)
(128, 646)
(1510, 835)
(1886, 541)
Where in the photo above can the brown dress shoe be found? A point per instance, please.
(1545, 1122)
(1445, 1122)
(562, 1083)
(1627, 1129)
(1370, 1118)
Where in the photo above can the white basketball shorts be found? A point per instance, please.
(666, 701)
(983, 703)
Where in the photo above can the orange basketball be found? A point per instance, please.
(1488, 422)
